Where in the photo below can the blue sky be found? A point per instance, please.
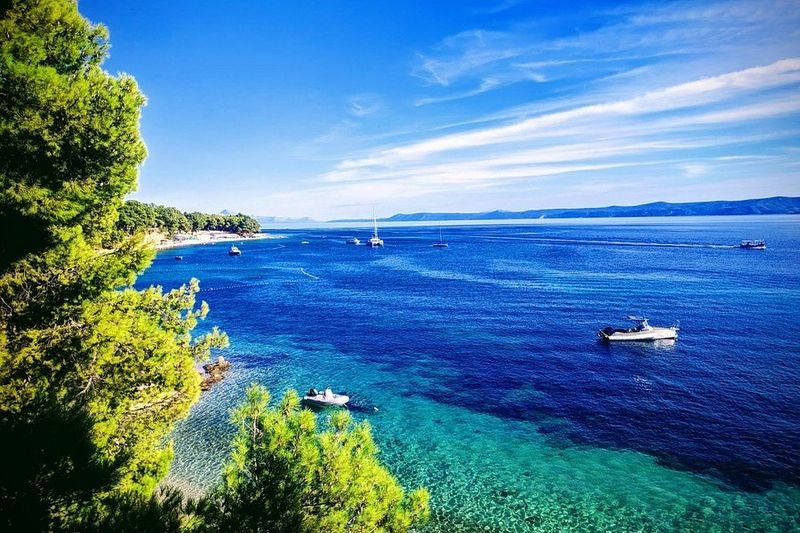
(326, 109)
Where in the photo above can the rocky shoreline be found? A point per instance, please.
(214, 372)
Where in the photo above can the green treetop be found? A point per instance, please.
(69, 132)
(286, 475)
(135, 216)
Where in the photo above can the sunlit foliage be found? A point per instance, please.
(286, 475)
(93, 375)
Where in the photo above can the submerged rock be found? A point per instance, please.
(214, 372)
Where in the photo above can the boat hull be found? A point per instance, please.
(653, 334)
(337, 400)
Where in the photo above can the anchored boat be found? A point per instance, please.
(642, 331)
(441, 243)
(374, 241)
(325, 399)
(234, 251)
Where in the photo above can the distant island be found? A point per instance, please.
(777, 205)
(267, 220)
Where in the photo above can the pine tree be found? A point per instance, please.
(285, 475)
(93, 375)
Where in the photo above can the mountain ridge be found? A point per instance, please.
(775, 205)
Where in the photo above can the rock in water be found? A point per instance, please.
(214, 372)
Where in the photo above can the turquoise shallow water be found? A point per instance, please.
(491, 388)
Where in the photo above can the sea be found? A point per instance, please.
(480, 372)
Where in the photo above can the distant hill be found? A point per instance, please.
(282, 220)
(778, 205)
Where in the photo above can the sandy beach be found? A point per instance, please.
(205, 237)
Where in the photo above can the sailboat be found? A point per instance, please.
(441, 243)
(374, 241)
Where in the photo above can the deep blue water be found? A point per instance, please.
(492, 341)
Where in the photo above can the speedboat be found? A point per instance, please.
(304, 242)
(234, 251)
(354, 240)
(758, 244)
(642, 331)
(178, 258)
(325, 399)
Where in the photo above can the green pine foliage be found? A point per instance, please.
(136, 216)
(286, 475)
(93, 373)
(69, 132)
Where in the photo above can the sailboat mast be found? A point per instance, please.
(375, 224)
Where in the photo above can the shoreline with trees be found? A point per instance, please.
(167, 227)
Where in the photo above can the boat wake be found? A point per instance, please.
(312, 276)
(548, 240)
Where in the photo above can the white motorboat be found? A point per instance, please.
(642, 331)
(354, 240)
(758, 244)
(234, 251)
(375, 241)
(325, 399)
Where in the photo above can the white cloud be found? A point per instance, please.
(679, 97)
(693, 170)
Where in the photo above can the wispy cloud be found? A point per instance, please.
(503, 5)
(686, 130)
(695, 169)
(705, 97)
(678, 97)
(465, 54)
(364, 105)
(485, 86)
(727, 35)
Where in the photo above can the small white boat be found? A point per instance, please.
(354, 240)
(234, 251)
(642, 331)
(304, 242)
(441, 243)
(375, 241)
(325, 399)
(758, 244)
